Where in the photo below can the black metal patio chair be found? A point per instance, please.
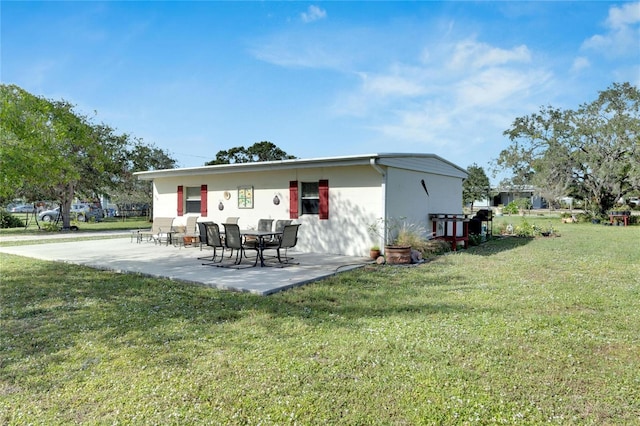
(233, 241)
(288, 240)
(213, 240)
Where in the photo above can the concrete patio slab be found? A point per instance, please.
(182, 263)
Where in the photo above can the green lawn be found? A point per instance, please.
(107, 224)
(515, 331)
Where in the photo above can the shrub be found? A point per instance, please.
(525, 229)
(50, 227)
(584, 217)
(399, 232)
(546, 232)
(475, 239)
(515, 206)
(501, 228)
(411, 237)
(7, 220)
(435, 247)
(511, 208)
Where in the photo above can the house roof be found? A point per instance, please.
(515, 189)
(430, 163)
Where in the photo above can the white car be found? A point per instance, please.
(23, 208)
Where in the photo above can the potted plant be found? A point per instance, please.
(399, 236)
(374, 252)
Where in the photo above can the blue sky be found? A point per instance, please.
(320, 79)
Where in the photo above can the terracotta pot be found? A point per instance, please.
(189, 240)
(397, 254)
(374, 254)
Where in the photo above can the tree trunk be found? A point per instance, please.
(65, 208)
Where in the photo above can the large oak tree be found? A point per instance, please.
(591, 152)
(49, 151)
(259, 151)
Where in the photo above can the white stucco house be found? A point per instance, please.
(334, 198)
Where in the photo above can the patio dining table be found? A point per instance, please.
(261, 237)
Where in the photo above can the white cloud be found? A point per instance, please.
(391, 85)
(295, 52)
(461, 111)
(451, 108)
(623, 32)
(625, 15)
(445, 95)
(497, 88)
(580, 63)
(313, 13)
(478, 75)
(471, 54)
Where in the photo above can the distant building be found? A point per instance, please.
(506, 195)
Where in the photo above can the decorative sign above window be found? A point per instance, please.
(245, 197)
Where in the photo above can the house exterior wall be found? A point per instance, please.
(360, 192)
(407, 198)
(355, 201)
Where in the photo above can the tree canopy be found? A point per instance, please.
(139, 156)
(50, 152)
(591, 152)
(259, 151)
(476, 186)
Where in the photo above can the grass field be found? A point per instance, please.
(107, 224)
(516, 331)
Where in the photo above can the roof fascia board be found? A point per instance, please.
(462, 172)
(344, 161)
(360, 160)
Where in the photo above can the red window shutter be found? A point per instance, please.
(323, 209)
(180, 200)
(293, 199)
(203, 200)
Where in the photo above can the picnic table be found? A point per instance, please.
(619, 216)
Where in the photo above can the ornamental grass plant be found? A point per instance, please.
(514, 331)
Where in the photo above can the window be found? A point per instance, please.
(196, 200)
(310, 197)
(313, 198)
(193, 199)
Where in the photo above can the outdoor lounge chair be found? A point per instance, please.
(160, 230)
(189, 230)
(288, 240)
(233, 240)
(213, 240)
(232, 219)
